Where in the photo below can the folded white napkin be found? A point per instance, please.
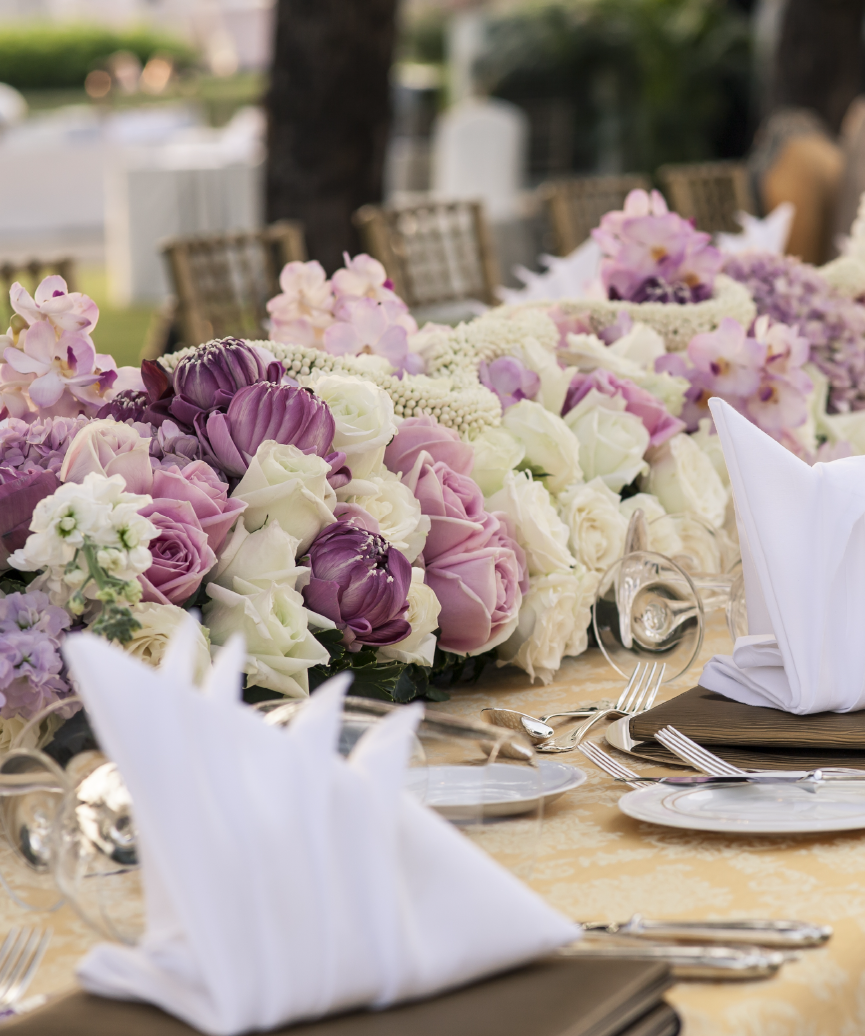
(566, 277)
(760, 235)
(282, 881)
(802, 536)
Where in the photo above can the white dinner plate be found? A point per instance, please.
(459, 792)
(750, 808)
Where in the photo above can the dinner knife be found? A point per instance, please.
(810, 777)
(696, 962)
(778, 933)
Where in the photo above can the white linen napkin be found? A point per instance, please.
(282, 881)
(802, 536)
(760, 235)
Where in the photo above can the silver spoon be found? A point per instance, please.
(535, 729)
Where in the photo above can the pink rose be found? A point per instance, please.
(658, 421)
(454, 504)
(109, 447)
(425, 433)
(479, 593)
(182, 556)
(199, 484)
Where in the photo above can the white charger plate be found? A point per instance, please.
(459, 792)
(750, 808)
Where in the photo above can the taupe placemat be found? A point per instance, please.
(556, 997)
(750, 735)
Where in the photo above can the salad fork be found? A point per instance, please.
(695, 755)
(612, 766)
(20, 955)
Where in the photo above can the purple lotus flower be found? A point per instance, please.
(509, 379)
(359, 582)
(40, 445)
(658, 421)
(653, 255)
(208, 379)
(127, 405)
(30, 663)
(288, 415)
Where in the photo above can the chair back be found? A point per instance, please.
(30, 274)
(222, 282)
(575, 205)
(710, 193)
(435, 252)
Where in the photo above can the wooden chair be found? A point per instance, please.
(30, 274)
(710, 193)
(435, 252)
(222, 282)
(575, 205)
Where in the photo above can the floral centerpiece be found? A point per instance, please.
(355, 493)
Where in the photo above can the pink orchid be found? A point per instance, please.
(365, 278)
(727, 361)
(304, 310)
(365, 327)
(777, 405)
(50, 359)
(509, 379)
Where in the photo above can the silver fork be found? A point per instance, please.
(612, 766)
(697, 756)
(588, 710)
(20, 955)
(639, 696)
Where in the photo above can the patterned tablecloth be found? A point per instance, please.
(594, 863)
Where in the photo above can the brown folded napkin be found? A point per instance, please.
(753, 736)
(555, 997)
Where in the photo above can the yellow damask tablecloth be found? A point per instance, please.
(594, 863)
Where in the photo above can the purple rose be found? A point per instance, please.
(30, 662)
(359, 582)
(19, 495)
(425, 433)
(658, 421)
(198, 484)
(509, 379)
(182, 556)
(209, 378)
(288, 415)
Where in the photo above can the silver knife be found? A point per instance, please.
(787, 934)
(700, 962)
(810, 777)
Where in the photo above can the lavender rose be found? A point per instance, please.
(417, 434)
(198, 483)
(109, 448)
(181, 554)
(454, 504)
(360, 583)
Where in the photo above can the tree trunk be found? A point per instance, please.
(820, 57)
(328, 117)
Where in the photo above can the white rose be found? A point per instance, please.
(554, 617)
(710, 444)
(642, 344)
(612, 441)
(251, 561)
(597, 526)
(397, 512)
(290, 486)
(496, 453)
(159, 622)
(683, 478)
(279, 646)
(423, 616)
(539, 530)
(554, 380)
(648, 504)
(552, 450)
(364, 419)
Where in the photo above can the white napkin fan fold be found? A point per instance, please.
(282, 881)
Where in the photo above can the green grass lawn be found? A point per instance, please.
(120, 332)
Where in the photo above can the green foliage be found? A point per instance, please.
(51, 57)
(648, 81)
(422, 38)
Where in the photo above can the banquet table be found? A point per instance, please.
(594, 863)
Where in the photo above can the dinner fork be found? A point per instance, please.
(612, 766)
(589, 710)
(639, 696)
(20, 955)
(697, 756)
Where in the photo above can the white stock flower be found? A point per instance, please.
(596, 525)
(710, 444)
(496, 453)
(290, 486)
(423, 616)
(159, 622)
(683, 478)
(539, 530)
(612, 441)
(398, 513)
(364, 417)
(279, 646)
(554, 617)
(552, 450)
(251, 561)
